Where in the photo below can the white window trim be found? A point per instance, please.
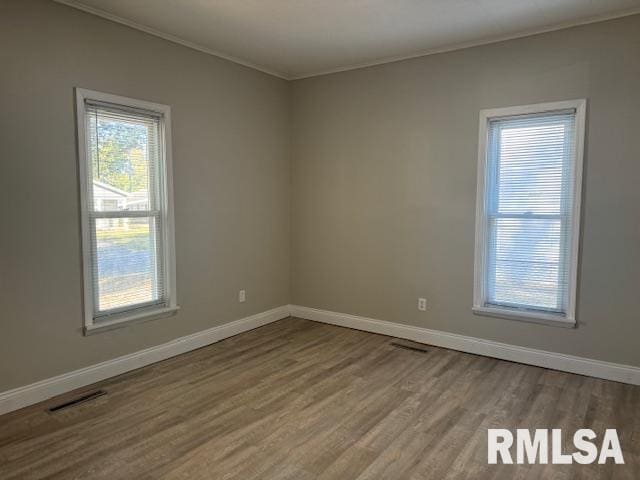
(479, 296)
(169, 257)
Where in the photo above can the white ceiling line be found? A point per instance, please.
(434, 51)
(169, 37)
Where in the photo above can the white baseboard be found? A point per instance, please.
(540, 358)
(45, 389)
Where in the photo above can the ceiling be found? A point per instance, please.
(302, 38)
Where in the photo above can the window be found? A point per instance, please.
(528, 212)
(127, 214)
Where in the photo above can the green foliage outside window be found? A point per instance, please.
(120, 159)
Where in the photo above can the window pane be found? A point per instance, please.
(525, 265)
(124, 152)
(126, 262)
(530, 168)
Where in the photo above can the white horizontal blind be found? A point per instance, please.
(529, 208)
(125, 208)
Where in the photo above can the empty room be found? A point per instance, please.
(332, 240)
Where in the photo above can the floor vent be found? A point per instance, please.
(415, 348)
(77, 401)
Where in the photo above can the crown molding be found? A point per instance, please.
(356, 66)
(471, 44)
(171, 38)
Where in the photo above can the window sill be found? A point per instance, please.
(526, 316)
(125, 320)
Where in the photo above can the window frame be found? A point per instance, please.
(480, 306)
(124, 316)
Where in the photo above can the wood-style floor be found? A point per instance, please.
(301, 400)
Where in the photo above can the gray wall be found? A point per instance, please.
(384, 182)
(231, 129)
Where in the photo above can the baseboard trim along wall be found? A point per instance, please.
(36, 392)
(503, 351)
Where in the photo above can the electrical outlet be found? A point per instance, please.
(242, 296)
(422, 304)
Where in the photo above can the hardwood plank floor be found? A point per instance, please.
(303, 400)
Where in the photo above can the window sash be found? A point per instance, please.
(561, 304)
(125, 213)
(159, 264)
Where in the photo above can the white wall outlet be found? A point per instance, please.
(242, 296)
(422, 304)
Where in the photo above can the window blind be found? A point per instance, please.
(529, 207)
(125, 208)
